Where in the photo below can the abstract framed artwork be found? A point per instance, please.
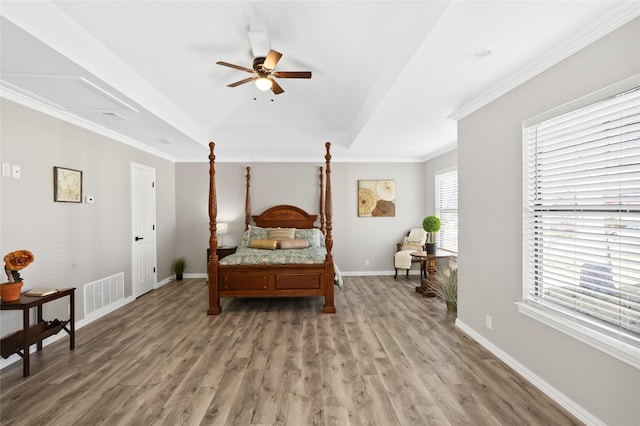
(376, 198)
(67, 185)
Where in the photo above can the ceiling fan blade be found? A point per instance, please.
(271, 60)
(238, 67)
(275, 87)
(246, 80)
(292, 74)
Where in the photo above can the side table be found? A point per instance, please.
(431, 269)
(20, 341)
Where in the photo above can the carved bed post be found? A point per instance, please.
(214, 299)
(322, 228)
(329, 306)
(247, 201)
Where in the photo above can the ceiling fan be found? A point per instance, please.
(263, 72)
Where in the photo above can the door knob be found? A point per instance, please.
(139, 238)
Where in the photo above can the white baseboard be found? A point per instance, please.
(553, 393)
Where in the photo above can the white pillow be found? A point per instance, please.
(282, 233)
(410, 244)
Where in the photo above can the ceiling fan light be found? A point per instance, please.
(263, 84)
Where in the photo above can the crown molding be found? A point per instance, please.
(8, 93)
(624, 13)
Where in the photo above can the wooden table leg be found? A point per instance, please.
(25, 357)
(431, 277)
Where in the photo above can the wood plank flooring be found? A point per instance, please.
(387, 357)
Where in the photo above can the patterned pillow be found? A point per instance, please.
(282, 233)
(293, 244)
(313, 235)
(264, 244)
(409, 244)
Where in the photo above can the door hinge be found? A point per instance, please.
(154, 269)
(153, 184)
(153, 227)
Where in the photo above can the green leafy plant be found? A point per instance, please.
(179, 265)
(431, 224)
(446, 286)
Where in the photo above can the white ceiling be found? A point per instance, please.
(389, 77)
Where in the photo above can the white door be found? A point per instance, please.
(143, 239)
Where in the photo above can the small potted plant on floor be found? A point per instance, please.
(179, 266)
(431, 224)
(13, 263)
(446, 287)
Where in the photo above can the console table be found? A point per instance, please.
(20, 341)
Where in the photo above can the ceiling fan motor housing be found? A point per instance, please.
(257, 64)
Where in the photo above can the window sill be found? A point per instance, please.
(623, 351)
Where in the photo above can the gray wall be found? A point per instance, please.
(490, 197)
(356, 239)
(75, 244)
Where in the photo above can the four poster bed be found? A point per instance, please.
(283, 255)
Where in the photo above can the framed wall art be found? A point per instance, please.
(376, 198)
(67, 185)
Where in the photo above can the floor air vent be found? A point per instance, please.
(100, 295)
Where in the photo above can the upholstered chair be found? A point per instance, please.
(413, 241)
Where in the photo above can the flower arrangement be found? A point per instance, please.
(16, 261)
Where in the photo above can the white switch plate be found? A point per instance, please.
(6, 169)
(15, 171)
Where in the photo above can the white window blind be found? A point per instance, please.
(447, 209)
(582, 216)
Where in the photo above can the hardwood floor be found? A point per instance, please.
(387, 357)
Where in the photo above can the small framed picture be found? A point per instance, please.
(67, 185)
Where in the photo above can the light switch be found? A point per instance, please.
(15, 171)
(6, 169)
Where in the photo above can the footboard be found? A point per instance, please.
(271, 280)
(249, 281)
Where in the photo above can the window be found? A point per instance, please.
(447, 209)
(581, 231)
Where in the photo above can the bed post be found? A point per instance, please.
(329, 306)
(247, 201)
(322, 227)
(214, 299)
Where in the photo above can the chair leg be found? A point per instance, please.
(408, 272)
(396, 274)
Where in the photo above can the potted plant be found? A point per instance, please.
(13, 263)
(446, 287)
(431, 224)
(179, 266)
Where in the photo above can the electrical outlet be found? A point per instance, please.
(366, 262)
(488, 321)
(15, 171)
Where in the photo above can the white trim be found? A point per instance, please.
(577, 410)
(616, 18)
(611, 346)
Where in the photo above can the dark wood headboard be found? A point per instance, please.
(285, 216)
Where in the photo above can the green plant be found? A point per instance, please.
(431, 224)
(446, 286)
(179, 265)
